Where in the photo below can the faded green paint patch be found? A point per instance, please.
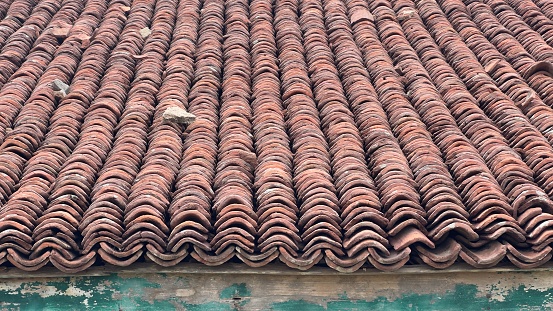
(235, 291)
(208, 306)
(112, 292)
(463, 298)
(297, 305)
(238, 293)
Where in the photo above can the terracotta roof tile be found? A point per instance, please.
(339, 132)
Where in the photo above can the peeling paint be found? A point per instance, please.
(463, 297)
(197, 292)
(235, 291)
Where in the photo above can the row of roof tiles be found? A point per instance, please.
(346, 132)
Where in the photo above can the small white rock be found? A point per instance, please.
(60, 88)
(178, 115)
(145, 32)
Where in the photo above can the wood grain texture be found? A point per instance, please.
(195, 287)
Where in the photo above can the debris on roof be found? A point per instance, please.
(61, 30)
(145, 32)
(361, 15)
(60, 89)
(178, 115)
(83, 39)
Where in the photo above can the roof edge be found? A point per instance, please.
(242, 269)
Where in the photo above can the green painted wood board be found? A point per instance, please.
(235, 287)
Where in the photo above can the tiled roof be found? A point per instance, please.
(339, 132)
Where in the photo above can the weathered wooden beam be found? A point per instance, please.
(272, 269)
(237, 287)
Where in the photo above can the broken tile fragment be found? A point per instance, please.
(61, 30)
(84, 39)
(541, 66)
(361, 15)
